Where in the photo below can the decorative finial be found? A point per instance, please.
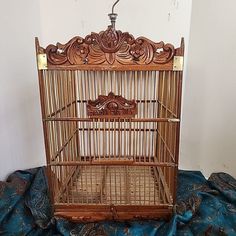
(113, 15)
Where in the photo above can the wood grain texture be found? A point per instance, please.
(110, 47)
(111, 117)
(111, 105)
(88, 213)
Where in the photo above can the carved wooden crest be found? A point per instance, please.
(111, 105)
(110, 47)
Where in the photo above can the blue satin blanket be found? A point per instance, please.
(205, 207)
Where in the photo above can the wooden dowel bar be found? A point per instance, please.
(126, 161)
(62, 109)
(114, 119)
(111, 163)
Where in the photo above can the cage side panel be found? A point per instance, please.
(168, 92)
(99, 139)
(60, 100)
(170, 83)
(179, 104)
(45, 131)
(93, 140)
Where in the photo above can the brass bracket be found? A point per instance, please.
(173, 120)
(42, 61)
(178, 64)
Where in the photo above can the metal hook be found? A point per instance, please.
(113, 15)
(113, 6)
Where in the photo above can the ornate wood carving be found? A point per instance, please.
(111, 105)
(110, 47)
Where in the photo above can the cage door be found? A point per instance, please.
(111, 129)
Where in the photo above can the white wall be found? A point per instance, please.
(21, 143)
(167, 20)
(208, 132)
(209, 126)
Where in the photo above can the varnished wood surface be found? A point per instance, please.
(76, 141)
(112, 106)
(98, 213)
(111, 50)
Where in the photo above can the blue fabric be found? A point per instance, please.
(205, 207)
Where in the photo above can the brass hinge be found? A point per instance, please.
(42, 61)
(178, 64)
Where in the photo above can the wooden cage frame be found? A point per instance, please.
(73, 114)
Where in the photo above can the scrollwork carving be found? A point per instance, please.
(110, 47)
(111, 105)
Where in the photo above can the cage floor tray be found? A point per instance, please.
(118, 185)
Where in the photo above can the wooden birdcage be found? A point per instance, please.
(111, 119)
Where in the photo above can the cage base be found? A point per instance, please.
(99, 213)
(96, 193)
(117, 185)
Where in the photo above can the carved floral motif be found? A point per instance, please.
(110, 47)
(111, 105)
